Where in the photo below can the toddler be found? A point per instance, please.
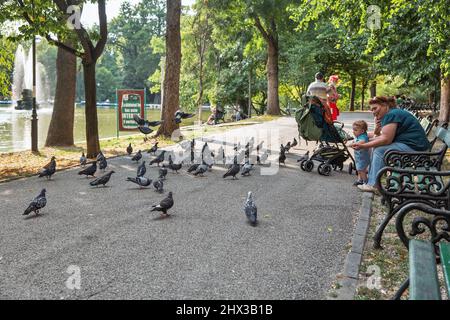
(362, 157)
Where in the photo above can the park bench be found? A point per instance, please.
(428, 245)
(414, 177)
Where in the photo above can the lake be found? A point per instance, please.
(15, 125)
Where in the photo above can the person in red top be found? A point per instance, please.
(333, 96)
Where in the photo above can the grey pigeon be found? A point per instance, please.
(89, 171)
(154, 148)
(193, 167)
(140, 181)
(137, 156)
(164, 205)
(304, 157)
(146, 123)
(201, 169)
(100, 156)
(282, 156)
(259, 146)
(37, 204)
(172, 166)
(179, 115)
(233, 171)
(162, 173)
(83, 160)
(103, 180)
(49, 169)
(103, 164)
(141, 170)
(246, 168)
(159, 185)
(129, 149)
(294, 143)
(262, 158)
(287, 147)
(250, 209)
(159, 158)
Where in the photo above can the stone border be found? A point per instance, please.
(349, 280)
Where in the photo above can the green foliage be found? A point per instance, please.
(6, 66)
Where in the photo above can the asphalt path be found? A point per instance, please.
(104, 243)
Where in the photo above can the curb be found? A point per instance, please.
(349, 280)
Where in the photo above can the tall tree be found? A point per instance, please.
(171, 98)
(48, 18)
(60, 131)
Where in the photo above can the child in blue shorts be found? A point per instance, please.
(362, 157)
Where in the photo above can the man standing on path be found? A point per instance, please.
(319, 89)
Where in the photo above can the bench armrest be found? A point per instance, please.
(426, 221)
(417, 159)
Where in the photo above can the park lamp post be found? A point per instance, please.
(34, 119)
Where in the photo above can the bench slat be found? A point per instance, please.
(444, 248)
(424, 283)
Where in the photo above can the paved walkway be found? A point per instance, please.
(204, 250)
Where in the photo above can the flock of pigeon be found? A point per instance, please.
(198, 166)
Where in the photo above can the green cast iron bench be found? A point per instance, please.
(425, 254)
(414, 177)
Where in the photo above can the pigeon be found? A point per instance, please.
(145, 130)
(83, 160)
(158, 159)
(145, 123)
(164, 205)
(193, 167)
(100, 156)
(103, 164)
(37, 204)
(154, 148)
(162, 173)
(89, 171)
(159, 185)
(102, 180)
(173, 166)
(304, 157)
(259, 146)
(137, 156)
(179, 115)
(129, 149)
(141, 181)
(294, 143)
(287, 147)
(201, 169)
(49, 169)
(262, 158)
(233, 171)
(282, 157)
(250, 209)
(141, 170)
(246, 168)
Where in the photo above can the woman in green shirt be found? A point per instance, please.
(396, 129)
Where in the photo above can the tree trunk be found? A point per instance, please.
(60, 131)
(93, 144)
(273, 103)
(445, 99)
(373, 89)
(352, 95)
(171, 100)
(363, 91)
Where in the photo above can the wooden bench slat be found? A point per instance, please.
(444, 248)
(424, 283)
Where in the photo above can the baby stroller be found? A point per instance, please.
(331, 151)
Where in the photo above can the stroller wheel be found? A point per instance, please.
(309, 166)
(325, 169)
(302, 165)
(350, 168)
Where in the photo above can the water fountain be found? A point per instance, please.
(22, 87)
